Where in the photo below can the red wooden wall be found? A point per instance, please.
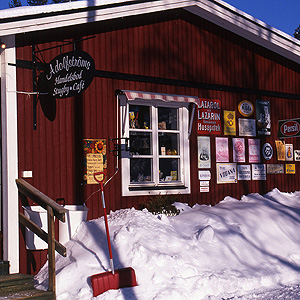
(170, 47)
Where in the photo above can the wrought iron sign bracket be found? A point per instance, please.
(117, 143)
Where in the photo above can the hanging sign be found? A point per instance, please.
(94, 159)
(289, 128)
(229, 122)
(247, 127)
(226, 173)
(204, 152)
(209, 117)
(246, 108)
(69, 74)
(254, 150)
(263, 117)
(267, 151)
(238, 149)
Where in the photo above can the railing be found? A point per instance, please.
(53, 210)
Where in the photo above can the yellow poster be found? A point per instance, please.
(280, 147)
(94, 159)
(229, 122)
(290, 169)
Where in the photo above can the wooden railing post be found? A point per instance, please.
(51, 250)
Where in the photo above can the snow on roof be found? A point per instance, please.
(34, 18)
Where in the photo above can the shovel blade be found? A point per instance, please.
(108, 281)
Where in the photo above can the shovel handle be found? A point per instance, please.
(100, 181)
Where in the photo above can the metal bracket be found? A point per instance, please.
(117, 142)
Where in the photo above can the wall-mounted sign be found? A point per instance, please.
(229, 122)
(209, 117)
(275, 169)
(289, 128)
(246, 108)
(247, 127)
(254, 150)
(259, 172)
(226, 173)
(263, 117)
(289, 152)
(290, 169)
(204, 183)
(69, 74)
(222, 153)
(244, 172)
(204, 175)
(204, 156)
(280, 147)
(238, 149)
(204, 189)
(94, 159)
(297, 155)
(267, 151)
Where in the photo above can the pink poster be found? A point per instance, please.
(238, 150)
(222, 154)
(254, 150)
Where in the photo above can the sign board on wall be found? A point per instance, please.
(238, 149)
(69, 74)
(209, 117)
(229, 122)
(247, 127)
(290, 169)
(246, 108)
(204, 155)
(244, 172)
(263, 117)
(275, 169)
(280, 147)
(289, 128)
(94, 159)
(254, 150)
(259, 172)
(222, 153)
(226, 173)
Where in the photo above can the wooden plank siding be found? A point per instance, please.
(173, 46)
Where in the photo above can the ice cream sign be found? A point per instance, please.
(289, 128)
(69, 74)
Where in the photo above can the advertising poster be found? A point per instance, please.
(254, 150)
(297, 155)
(289, 152)
(204, 157)
(226, 173)
(289, 128)
(280, 148)
(263, 117)
(259, 172)
(238, 149)
(244, 172)
(267, 151)
(275, 169)
(204, 175)
(209, 117)
(229, 122)
(290, 169)
(246, 108)
(247, 127)
(222, 153)
(94, 159)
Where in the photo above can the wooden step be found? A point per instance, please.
(29, 294)
(13, 283)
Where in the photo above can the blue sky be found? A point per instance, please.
(281, 14)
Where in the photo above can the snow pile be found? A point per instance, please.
(234, 248)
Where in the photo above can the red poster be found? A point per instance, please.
(209, 117)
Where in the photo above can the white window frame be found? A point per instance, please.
(154, 188)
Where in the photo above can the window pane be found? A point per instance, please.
(140, 170)
(167, 118)
(140, 143)
(168, 169)
(139, 117)
(168, 143)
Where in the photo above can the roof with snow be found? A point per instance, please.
(28, 19)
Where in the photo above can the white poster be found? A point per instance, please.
(254, 150)
(226, 173)
(238, 149)
(289, 152)
(204, 152)
(259, 172)
(247, 127)
(297, 155)
(204, 175)
(222, 154)
(244, 172)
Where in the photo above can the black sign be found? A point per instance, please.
(69, 74)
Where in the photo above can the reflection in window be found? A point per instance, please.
(168, 169)
(140, 170)
(139, 117)
(167, 118)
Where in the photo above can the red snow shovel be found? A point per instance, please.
(115, 279)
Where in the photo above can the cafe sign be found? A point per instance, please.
(289, 128)
(69, 74)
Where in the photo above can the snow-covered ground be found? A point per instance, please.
(238, 249)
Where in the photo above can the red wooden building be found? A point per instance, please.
(167, 74)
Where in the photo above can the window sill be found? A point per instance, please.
(156, 187)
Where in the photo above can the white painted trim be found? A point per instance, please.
(9, 155)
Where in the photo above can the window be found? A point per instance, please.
(157, 160)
